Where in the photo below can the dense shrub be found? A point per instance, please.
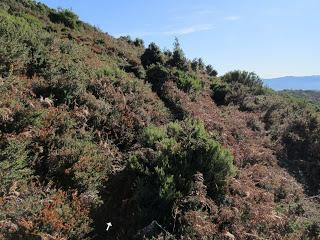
(178, 58)
(179, 150)
(188, 82)
(13, 49)
(138, 42)
(247, 79)
(211, 71)
(197, 64)
(29, 211)
(24, 45)
(157, 75)
(14, 163)
(243, 84)
(66, 76)
(152, 55)
(220, 92)
(66, 17)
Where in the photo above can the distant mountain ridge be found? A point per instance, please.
(294, 82)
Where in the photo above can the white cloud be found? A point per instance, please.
(204, 12)
(232, 18)
(173, 32)
(188, 30)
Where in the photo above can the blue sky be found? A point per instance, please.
(270, 37)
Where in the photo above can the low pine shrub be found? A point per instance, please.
(178, 151)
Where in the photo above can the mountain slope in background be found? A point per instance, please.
(96, 129)
(296, 83)
(313, 96)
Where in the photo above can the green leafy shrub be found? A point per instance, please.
(242, 85)
(157, 75)
(188, 82)
(248, 79)
(179, 150)
(220, 92)
(66, 17)
(152, 55)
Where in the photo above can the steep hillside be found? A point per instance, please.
(95, 129)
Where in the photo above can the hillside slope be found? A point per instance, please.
(95, 129)
(309, 95)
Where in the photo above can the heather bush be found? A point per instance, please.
(29, 211)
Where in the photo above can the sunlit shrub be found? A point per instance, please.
(188, 82)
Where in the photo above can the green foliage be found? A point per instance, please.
(243, 84)
(66, 76)
(138, 42)
(220, 92)
(248, 79)
(157, 75)
(14, 163)
(187, 81)
(178, 58)
(197, 64)
(13, 49)
(152, 55)
(180, 150)
(23, 45)
(65, 16)
(211, 71)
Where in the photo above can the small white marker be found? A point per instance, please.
(108, 225)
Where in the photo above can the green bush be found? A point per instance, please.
(65, 76)
(220, 92)
(14, 163)
(152, 55)
(180, 150)
(188, 82)
(13, 50)
(247, 79)
(178, 58)
(211, 71)
(157, 75)
(66, 17)
(138, 42)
